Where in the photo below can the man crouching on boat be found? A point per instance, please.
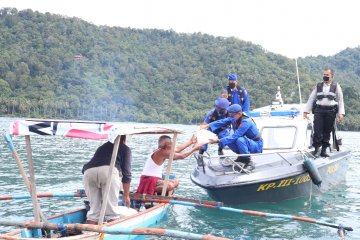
(246, 138)
(95, 176)
(151, 181)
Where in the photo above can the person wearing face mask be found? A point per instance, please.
(237, 94)
(218, 112)
(246, 138)
(325, 102)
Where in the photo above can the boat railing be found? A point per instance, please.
(253, 154)
(229, 159)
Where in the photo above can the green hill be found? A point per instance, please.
(59, 67)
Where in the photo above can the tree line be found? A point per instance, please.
(58, 67)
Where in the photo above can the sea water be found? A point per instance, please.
(58, 163)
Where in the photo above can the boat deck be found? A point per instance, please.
(226, 165)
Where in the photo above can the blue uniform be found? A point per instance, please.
(221, 132)
(236, 99)
(245, 139)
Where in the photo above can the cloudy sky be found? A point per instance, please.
(293, 28)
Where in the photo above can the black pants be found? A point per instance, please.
(323, 125)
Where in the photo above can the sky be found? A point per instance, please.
(293, 28)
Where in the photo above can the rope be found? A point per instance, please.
(81, 192)
(187, 168)
(227, 161)
(62, 229)
(241, 167)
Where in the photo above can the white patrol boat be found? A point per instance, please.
(285, 170)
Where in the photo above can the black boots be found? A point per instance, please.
(220, 151)
(316, 152)
(323, 152)
(246, 160)
(243, 159)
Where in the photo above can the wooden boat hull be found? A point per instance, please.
(147, 218)
(266, 185)
(83, 130)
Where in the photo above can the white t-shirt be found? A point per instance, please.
(151, 168)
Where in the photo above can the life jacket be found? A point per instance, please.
(241, 94)
(214, 117)
(320, 94)
(239, 124)
(239, 121)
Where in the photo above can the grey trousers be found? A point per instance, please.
(94, 184)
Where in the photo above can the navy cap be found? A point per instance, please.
(232, 77)
(222, 103)
(235, 108)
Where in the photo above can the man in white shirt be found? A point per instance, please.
(151, 180)
(325, 101)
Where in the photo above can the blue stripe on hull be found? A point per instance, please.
(153, 221)
(80, 216)
(73, 217)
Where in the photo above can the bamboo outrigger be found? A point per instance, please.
(70, 225)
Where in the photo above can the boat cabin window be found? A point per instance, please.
(279, 137)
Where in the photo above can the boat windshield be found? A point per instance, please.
(279, 137)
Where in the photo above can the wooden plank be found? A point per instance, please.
(168, 169)
(36, 207)
(22, 171)
(108, 182)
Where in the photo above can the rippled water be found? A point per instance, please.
(58, 164)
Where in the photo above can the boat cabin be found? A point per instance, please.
(282, 127)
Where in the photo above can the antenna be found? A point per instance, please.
(298, 79)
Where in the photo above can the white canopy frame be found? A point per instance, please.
(85, 130)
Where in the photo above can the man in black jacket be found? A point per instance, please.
(95, 177)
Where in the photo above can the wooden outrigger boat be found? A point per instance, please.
(70, 225)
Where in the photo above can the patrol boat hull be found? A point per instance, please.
(272, 180)
(279, 172)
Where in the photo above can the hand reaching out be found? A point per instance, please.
(193, 139)
(197, 146)
(204, 126)
(212, 141)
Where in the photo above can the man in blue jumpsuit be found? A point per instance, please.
(237, 94)
(246, 138)
(219, 112)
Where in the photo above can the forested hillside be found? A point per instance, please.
(52, 66)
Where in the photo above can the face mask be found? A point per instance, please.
(220, 111)
(326, 78)
(231, 85)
